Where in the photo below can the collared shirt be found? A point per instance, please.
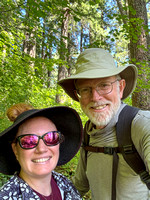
(96, 175)
(17, 189)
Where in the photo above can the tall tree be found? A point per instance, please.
(63, 47)
(136, 25)
(139, 51)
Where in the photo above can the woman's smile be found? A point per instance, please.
(42, 160)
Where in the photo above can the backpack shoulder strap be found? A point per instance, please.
(85, 135)
(128, 150)
(86, 139)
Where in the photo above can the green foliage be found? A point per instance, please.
(3, 179)
(29, 24)
(69, 169)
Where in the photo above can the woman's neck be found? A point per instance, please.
(40, 184)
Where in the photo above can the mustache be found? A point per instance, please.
(98, 103)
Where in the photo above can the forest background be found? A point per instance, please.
(41, 39)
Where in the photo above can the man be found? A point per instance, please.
(100, 86)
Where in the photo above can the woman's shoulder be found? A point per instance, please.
(10, 182)
(65, 185)
(58, 177)
(16, 188)
(10, 186)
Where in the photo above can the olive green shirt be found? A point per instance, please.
(97, 175)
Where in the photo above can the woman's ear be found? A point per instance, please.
(14, 148)
(122, 84)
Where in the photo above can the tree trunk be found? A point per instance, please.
(49, 72)
(139, 53)
(63, 49)
(69, 54)
(81, 38)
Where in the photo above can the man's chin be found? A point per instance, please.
(100, 119)
(99, 122)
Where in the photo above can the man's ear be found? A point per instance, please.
(122, 84)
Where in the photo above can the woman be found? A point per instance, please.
(40, 140)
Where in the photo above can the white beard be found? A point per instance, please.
(103, 118)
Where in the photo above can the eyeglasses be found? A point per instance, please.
(102, 88)
(30, 141)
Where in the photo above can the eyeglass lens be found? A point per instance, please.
(102, 88)
(30, 141)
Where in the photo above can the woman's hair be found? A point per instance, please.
(14, 111)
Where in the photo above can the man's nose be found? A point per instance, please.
(95, 95)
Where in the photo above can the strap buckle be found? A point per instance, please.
(145, 177)
(109, 150)
(128, 149)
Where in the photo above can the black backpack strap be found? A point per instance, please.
(107, 150)
(85, 135)
(86, 139)
(87, 147)
(128, 150)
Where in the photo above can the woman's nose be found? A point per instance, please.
(41, 147)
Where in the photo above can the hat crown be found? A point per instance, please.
(94, 58)
(99, 63)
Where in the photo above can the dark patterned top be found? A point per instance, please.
(17, 189)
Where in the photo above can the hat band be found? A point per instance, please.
(93, 66)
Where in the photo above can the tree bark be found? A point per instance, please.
(63, 49)
(139, 52)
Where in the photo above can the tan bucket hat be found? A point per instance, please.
(98, 63)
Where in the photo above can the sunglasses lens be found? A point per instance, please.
(29, 141)
(51, 138)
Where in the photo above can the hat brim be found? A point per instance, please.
(67, 122)
(129, 73)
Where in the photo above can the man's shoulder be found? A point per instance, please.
(145, 113)
(142, 117)
(141, 125)
(140, 114)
